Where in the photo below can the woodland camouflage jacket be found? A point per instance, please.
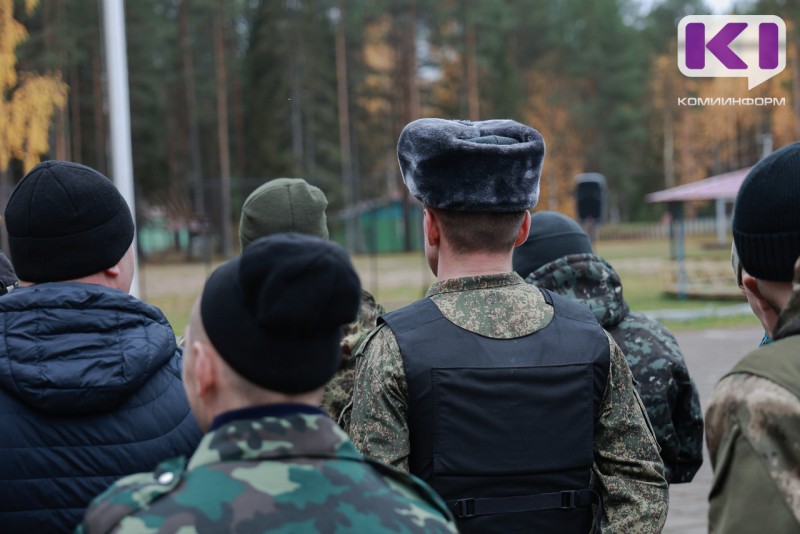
(291, 473)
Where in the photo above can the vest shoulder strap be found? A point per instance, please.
(777, 362)
(412, 316)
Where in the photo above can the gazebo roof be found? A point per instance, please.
(722, 186)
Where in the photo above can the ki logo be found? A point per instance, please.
(741, 46)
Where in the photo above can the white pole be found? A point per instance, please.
(119, 110)
(721, 221)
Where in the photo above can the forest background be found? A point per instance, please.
(240, 91)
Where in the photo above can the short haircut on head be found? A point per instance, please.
(479, 231)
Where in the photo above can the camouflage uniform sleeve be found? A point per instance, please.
(339, 390)
(687, 419)
(367, 319)
(108, 511)
(667, 392)
(378, 422)
(719, 410)
(766, 418)
(629, 473)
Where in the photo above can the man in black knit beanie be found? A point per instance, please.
(753, 420)
(90, 386)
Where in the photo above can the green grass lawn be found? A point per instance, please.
(398, 279)
(644, 286)
(177, 308)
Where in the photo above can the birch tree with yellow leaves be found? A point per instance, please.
(27, 100)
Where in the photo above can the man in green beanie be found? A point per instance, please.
(293, 205)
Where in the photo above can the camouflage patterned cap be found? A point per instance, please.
(275, 314)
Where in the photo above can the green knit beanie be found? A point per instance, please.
(283, 205)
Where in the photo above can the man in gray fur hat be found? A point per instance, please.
(513, 403)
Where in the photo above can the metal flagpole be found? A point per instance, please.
(119, 110)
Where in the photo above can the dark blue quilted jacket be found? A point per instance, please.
(90, 390)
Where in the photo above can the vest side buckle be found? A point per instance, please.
(568, 499)
(465, 508)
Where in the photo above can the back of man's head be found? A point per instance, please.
(283, 205)
(66, 221)
(552, 236)
(766, 218)
(478, 177)
(275, 314)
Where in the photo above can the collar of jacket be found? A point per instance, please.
(274, 438)
(469, 283)
(260, 411)
(789, 319)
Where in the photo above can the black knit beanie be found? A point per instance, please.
(66, 221)
(275, 314)
(766, 218)
(552, 236)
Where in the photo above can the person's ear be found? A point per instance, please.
(524, 230)
(206, 370)
(432, 228)
(112, 272)
(766, 312)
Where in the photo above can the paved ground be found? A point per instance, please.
(709, 354)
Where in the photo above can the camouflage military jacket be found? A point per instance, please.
(294, 471)
(628, 472)
(753, 432)
(663, 382)
(339, 390)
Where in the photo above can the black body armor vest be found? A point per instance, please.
(503, 429)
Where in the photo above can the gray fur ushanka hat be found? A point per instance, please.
(490, 165)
